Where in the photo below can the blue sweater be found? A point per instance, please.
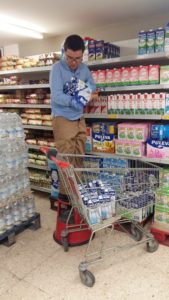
(60, 102)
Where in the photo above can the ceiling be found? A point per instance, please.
(55, 17)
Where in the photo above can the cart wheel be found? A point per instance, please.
(65, 244)
(136, 233)
(152, 245)
(87, 278)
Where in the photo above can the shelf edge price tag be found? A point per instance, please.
(165, 117)
(113, 116)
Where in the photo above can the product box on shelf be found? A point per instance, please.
(166, 110)
(166, 47)
(160, 132)
(159, 40)
(125, 75)
(134, 75)
(103, 135)
(164, 74)
(101, 77)
(150, 41)
(88, 139)
(133, 131)
(99, 49)
(91, 50)
(129, 148)
(154, 74)
(109, 77)
(142, 42)
(157, 149)
(164, 177)
(143, 74)
(117, 77)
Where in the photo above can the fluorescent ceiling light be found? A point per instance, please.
(14, 26)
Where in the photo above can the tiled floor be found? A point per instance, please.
(37, 268)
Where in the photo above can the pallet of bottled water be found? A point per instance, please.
(17, 206)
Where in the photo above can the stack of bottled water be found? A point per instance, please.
(99, 200)
(16, 201)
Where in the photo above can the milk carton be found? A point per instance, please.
(91, 50)
(117, 77)
(109, 77)
(164, 72)
(134, 75)
(111, 104)
(153, 99)
(125, 75)
(142, 42)
(154, 74)
(131, 100)
(150, 41)
(166, 47)
(138, 102)
(166, 111)
(101, 77)
(159, 40)
(103, 105)
(95, 76)
(143, 74)
(99, 49)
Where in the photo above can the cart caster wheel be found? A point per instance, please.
(65, 244)
(136, 233)
(87, 278)
(152, 245)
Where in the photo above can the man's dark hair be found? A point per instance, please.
(74, 42)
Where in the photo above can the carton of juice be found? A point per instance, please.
(111, 104)
(109, 77)
(134, 75)
(125, 75)
(131, 104)
(101, 77)
(143, 74)
(117, 77)
(154, 74)
(142, 42)
(103, 105)
(138, 102)
(95, 76)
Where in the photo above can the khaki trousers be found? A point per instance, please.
(70, 138)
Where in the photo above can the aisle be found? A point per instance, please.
(36, 267)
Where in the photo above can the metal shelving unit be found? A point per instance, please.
(41, 189)
(140, 87)
(27, 70)
(34, 166)
(160, 57)
(35, 147)
(38, 127)
(147, 159)
(24, 87)
(23, 105)
(128, 117)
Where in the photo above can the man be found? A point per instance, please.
(67, 104)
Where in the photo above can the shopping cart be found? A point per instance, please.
(106, 195)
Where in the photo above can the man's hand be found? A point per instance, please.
(94, 96)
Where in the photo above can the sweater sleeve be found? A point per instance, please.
(56, 88)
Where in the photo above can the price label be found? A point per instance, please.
(165, 117)
(113, 116)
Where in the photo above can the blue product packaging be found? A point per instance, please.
(99, 49)
(159, 39)
(54, 184)
(142, 42)
(91, 50)
(151, 41)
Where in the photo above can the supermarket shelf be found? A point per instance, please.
(141, 87)
(24, 86)
(38, 127)
(34, 166)
(147, 159)
(12, 105)
(128, 59)
(128, 117)
(27, 70)
(35, 147)
(39, 188)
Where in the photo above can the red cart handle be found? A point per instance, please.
(45, 150)
(61, 164)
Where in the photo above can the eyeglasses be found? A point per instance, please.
(74, 59)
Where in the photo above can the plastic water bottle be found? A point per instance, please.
(23, 210)
(16, 212)
(30, 205)
(9, 221)
(2, 221)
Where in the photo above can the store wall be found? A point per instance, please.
(113, 32)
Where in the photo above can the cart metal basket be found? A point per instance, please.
(108, 192)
